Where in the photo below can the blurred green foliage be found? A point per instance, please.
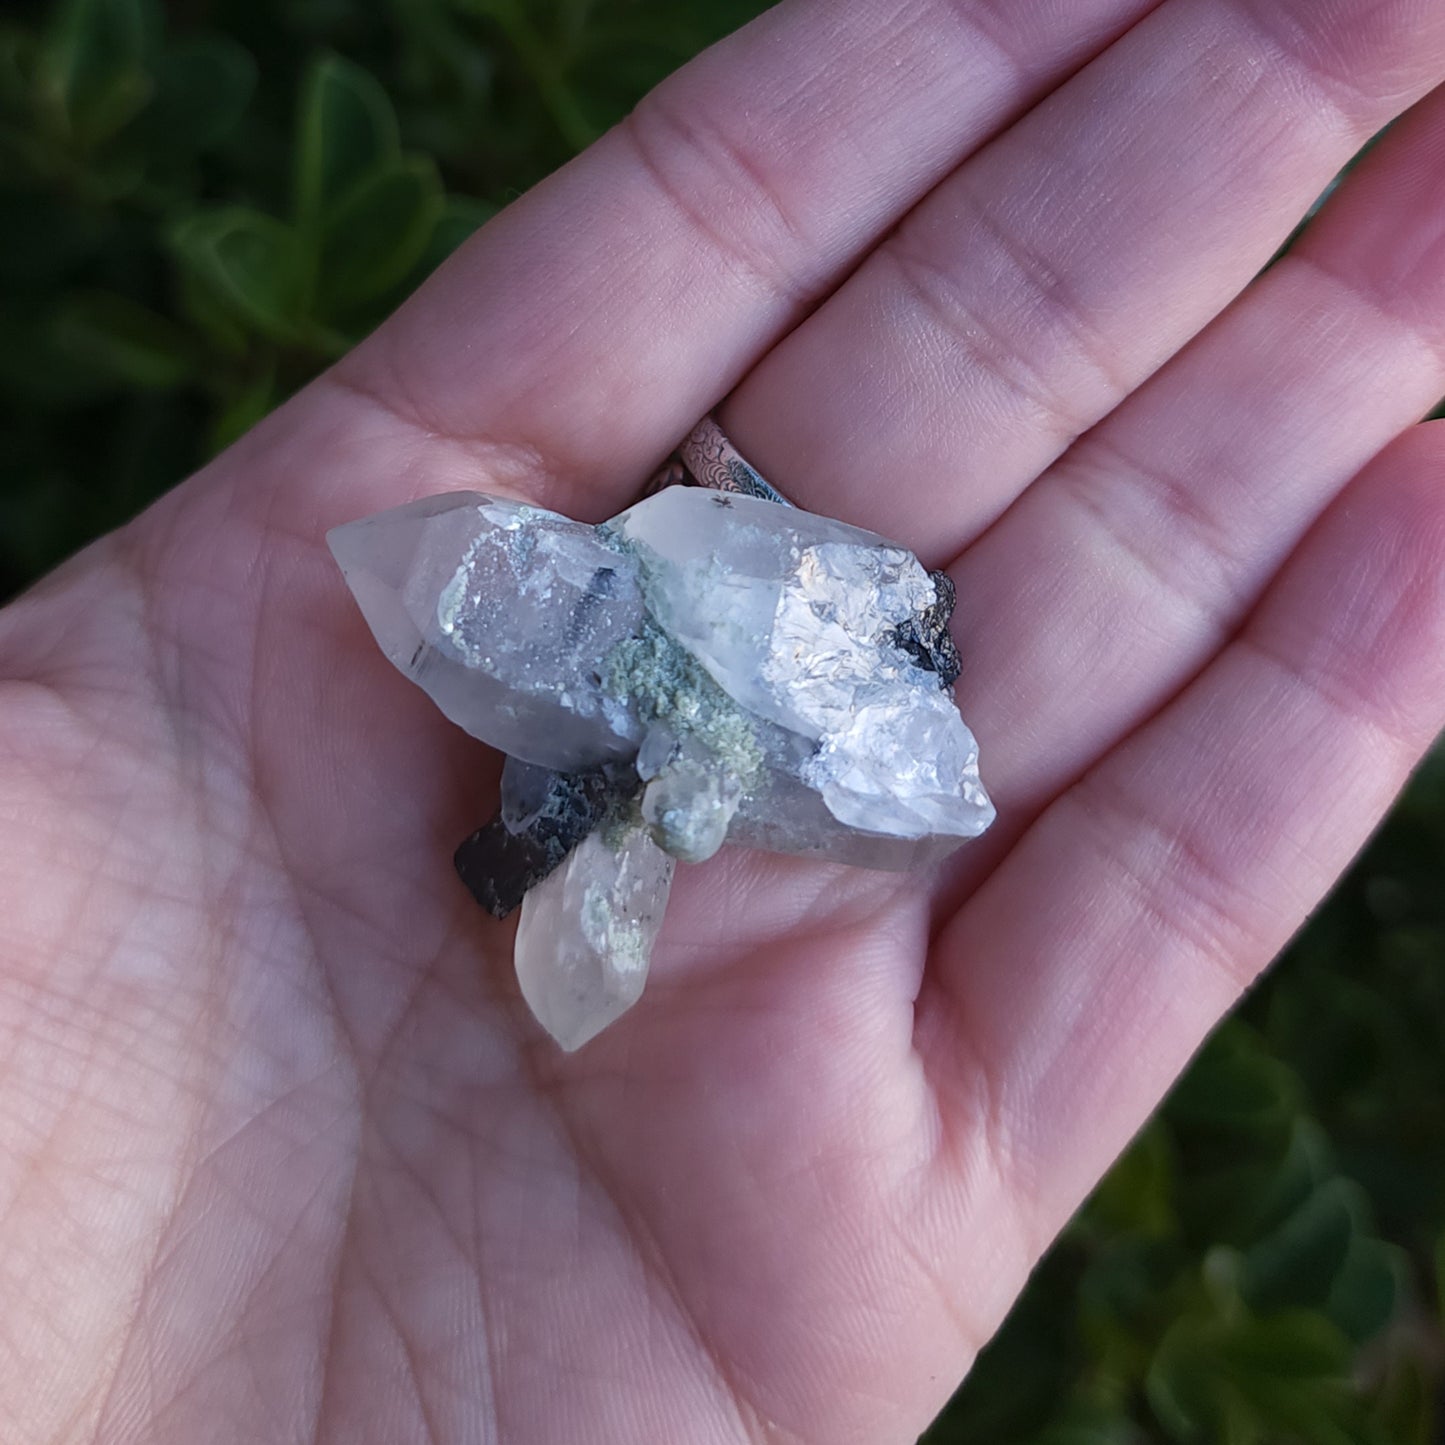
(201, 206)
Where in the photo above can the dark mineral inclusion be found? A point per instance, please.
(927, 640)
(499, 865)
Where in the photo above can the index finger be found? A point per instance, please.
(584, 330)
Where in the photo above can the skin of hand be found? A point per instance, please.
(282, 1157)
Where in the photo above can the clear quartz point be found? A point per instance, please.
(740, 662)
(789, 613)
(585, 937)
(501, 613)
(689, 803)
(526, 791)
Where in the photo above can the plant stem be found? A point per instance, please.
(537, 59)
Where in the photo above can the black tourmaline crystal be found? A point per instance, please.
(520, 847)
(927, 640)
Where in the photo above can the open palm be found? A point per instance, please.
(282, 1156)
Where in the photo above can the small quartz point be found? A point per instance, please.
(707, 667)
(689, 803)
(586, 933)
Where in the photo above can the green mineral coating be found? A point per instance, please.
(667, 684)
(613, 935)
(623, 818)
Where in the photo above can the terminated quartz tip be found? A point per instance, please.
(705, 667)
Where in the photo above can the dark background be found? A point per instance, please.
(177, 254)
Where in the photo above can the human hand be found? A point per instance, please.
(282, 1155)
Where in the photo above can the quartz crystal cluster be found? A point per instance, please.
(705, 667)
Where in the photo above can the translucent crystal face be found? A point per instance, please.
(785, 609)
(793, 615)
(585, 937)
(739, 661)
(501, 613)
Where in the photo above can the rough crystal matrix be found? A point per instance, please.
(706, 667)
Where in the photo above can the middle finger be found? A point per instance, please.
(1066, 262)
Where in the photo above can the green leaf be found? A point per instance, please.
(460, 219)
(244, 408)
(1286, 1349)
(1238, 1200)
(1324, 1256)
(1125, 1285)
(544, 51)
(1251, 1379)
(1086, 1425)
(1236, 1087)
(1297, 1263)
(346, 132)
(1138, 1192)
(95, 66)
(18, 49)
(1368, 1288)
(250, 264)
(202, 88)
(124, 341)
(1185, 1384)
(376, 235)
(225, 333)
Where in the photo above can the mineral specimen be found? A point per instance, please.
(707, 666)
